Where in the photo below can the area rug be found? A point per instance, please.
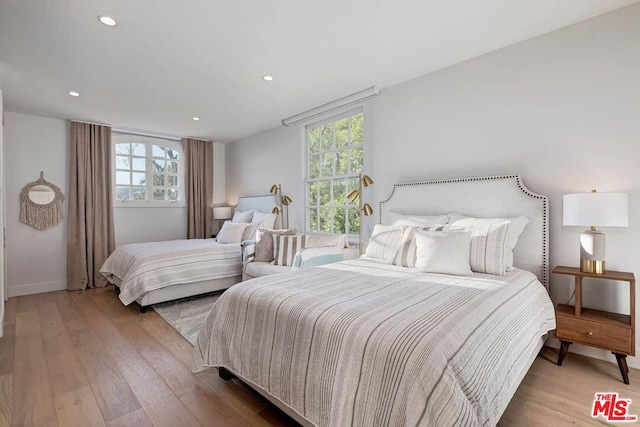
(188, 314)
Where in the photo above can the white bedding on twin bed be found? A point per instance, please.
(144, 267)
(364, 343)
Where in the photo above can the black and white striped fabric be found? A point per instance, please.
(370, 344)
(286, 247)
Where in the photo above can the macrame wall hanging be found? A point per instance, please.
(41, 204)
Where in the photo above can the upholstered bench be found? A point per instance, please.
(305, 258)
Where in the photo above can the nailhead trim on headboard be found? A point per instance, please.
(521, 186)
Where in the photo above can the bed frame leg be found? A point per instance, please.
(116, 289)
(143, 309)
(224, 374)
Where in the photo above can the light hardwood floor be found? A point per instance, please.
(82, 358)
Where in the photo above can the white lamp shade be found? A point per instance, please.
(223, 212)
(596, 209)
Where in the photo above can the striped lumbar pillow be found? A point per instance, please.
(489, 247)
(286, 247)
(406, 255)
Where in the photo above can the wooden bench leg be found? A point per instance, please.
(224, 374)
(622, 364)
(564, 348)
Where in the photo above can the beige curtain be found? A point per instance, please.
(90, 235)
(198, 187)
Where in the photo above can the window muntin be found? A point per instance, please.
(148, 171)
(335, 158)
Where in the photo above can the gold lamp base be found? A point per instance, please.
(592, 266)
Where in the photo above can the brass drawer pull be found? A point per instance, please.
(589, 334)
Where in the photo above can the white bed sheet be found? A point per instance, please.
(365, 343)
(145, 267)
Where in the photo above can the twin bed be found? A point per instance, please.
(155, 272)
(363, 342)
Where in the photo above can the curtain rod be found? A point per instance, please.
(140, 132)
(333, 106)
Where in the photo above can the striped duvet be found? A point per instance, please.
(144, 267)
(365, 344)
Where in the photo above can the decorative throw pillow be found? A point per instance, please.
(518, 225)
(406, 255)
(443, 252)
(421, 221)
(231, 232)
(242, 216)
(264, 242)
(323, 241)
(285, 248)
(489, 248)
(250, 231)
(384, 242)
(264, 220)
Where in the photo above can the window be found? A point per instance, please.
(335, 155)
(148, 171)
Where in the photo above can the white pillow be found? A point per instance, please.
(231, 232)
(384, 242)
(420, 221)
(406, 255)
(516, 228)
(264, 220)
(242, 216)
(323, 241)
(444, 252)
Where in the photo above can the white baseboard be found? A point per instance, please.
(36, 288)
(595, 353)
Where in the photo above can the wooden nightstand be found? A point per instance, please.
(609, 331)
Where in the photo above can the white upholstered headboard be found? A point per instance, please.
(263, 203)
(482, 197)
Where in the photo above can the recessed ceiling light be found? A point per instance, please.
(72, 93)
(196, 118)
(268, 78)
(108, 21)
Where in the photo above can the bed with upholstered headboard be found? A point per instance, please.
(500, 196)
(373, 341)
(153, 272)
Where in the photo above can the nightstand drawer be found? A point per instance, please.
(610, 337)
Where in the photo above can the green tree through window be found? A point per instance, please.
(147, 170)
(335, 153)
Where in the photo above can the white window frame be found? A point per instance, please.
(149, 141)
(328, 119)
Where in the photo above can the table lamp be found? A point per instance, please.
(221, 213)
(594, 210)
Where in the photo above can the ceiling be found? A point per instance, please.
(167, 61)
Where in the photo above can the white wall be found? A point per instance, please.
(36, 260)
(133, 225)
(257, 162)
(562, 110)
